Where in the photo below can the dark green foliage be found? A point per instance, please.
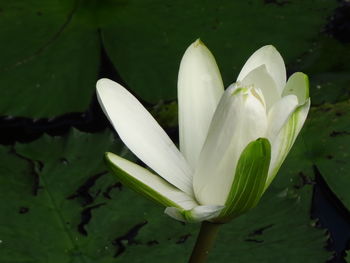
(50, 53)
(58, 204)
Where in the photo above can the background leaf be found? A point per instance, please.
(50, 60)
(59, 205)
(148, 54)
(329, 151)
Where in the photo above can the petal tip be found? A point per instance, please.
(108, 155)
(102, 82)
(270, 48)
(198, 43)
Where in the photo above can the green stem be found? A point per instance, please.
(204, 243)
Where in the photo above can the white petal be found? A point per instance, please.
(279, 115)
(239, 119)
(286, 138)
(298, 85)
(146, 183)
(199, 90)
(143, 135)
(175, 213)
(273, 60)
(262, 80)
(197, 214)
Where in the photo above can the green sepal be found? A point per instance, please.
(249, 181)
(138, 186)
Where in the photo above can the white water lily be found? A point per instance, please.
(232, 142)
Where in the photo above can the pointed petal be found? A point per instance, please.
(148, 184)
(279, 115)
(199, 90)
(285, 139)
(262, 80)
(249, 181)
(196, 214)
(239, 119)
(298, 85)
(143, 135)
(273, 60)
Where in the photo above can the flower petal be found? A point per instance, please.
(273, 60)
(148, 184)
(286, 138)
(199, 90)
(196, 214)
(298, 85)
(262, 80)
(239, 119)
(279, 115)
(249, 181)
(143, 135)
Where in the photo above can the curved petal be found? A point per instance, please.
(199, 90)
(143, 135)
(285, 139)
(196, 214)
(273, 60)
(249, 181)
(148, 184)
(239, 119)
(262, 80)
(279, 115)
(298, 85)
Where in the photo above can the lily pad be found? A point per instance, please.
(50, 60)
(146, 40)
(329, 150)
(323, 149)
(326, 62)
(58, 204)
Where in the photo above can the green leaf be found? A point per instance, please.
(327, 140)
(266, 230)
(327, 64)
(147, 55)
(58, 205)
(249, 181)
(50, 60)
(324, 147)
(45, 194)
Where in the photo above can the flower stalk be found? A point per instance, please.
(205, 242)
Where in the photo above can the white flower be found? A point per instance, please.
(232, 142)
